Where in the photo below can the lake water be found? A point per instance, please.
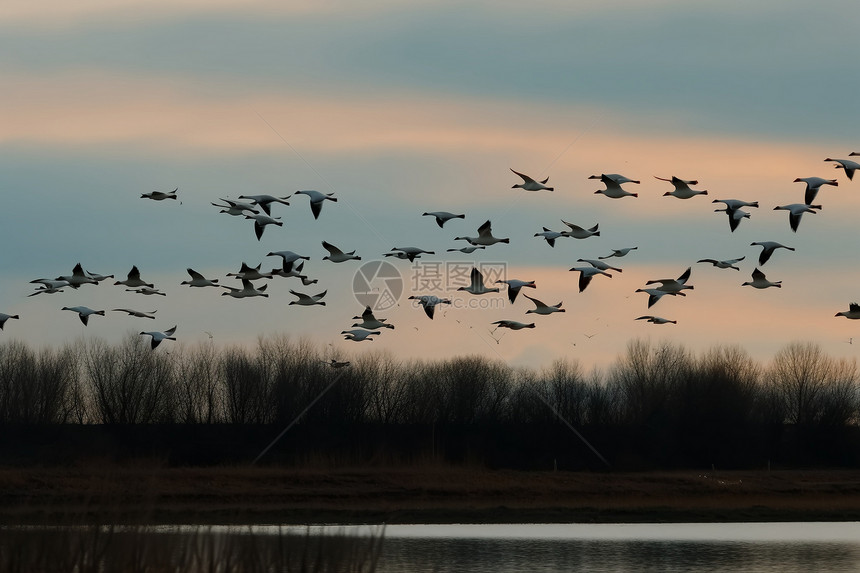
(747, 547)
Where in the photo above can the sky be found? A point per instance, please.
(404, 107)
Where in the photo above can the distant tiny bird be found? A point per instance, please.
(530, 184)
(157, 337)
(443, 217)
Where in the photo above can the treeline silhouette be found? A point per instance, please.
(657, 406)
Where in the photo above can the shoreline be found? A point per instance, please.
(350, 496)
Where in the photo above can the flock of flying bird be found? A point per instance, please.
(292, 264)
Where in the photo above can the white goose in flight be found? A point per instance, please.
(735, 216)
(813, 186)
(657, 320)
(530, 184)
(308, 300)
(726, 264)
(513, 324)
(467, 250)
(84, 312)
(550, 236)
(682, 188)
(358, 335)
(335, 255)
(767, 249)
(443, 217)
(260, 222)
(198, 280)
(586, 274)
(4, 317)
(249, 273)
(236, 208)
(514, 286)
(78, 277)
(796, 211)
(265, 201)
(674, 285)
(134, 279)
(613, 185)
(317, 200)
(598, 264)
(853, 312)
(370, 322)
(760, 281)
(146, 290)
(247, 290)
(578, 232)
(429, 302)
(477, 285)
(157, 337)
(619, 252)
(48, 286)
(847, 165)
(135, 313)
(485, 237)
(654, 294)
(541, 308)
(160, 195)
(410, 253)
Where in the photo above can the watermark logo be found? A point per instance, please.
(377, 284)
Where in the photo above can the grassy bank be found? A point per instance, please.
(252, 495)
